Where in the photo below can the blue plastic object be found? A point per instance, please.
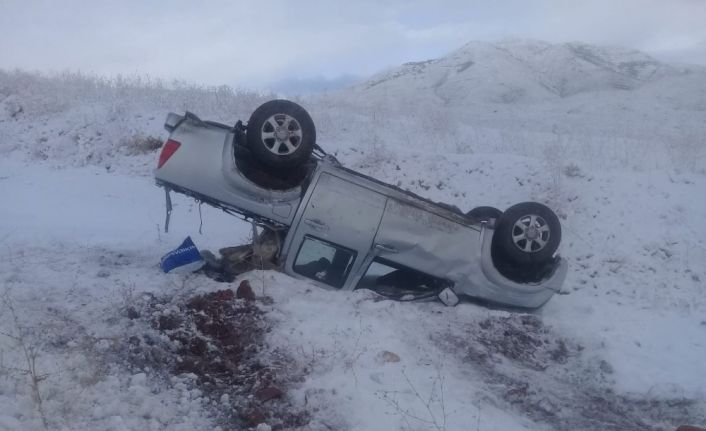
(185, 258)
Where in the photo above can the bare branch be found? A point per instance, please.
(30, 353)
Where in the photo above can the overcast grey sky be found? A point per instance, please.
(268, 43)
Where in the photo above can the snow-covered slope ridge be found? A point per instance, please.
(521, 70)
(621, 348)
(605, 107)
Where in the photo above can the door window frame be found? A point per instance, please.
(344, 277)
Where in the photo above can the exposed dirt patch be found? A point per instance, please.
(219, 339)
(552, 383)
(522, 339)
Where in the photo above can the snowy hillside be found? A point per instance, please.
(93, 335)
(526, 71)
(591, 104)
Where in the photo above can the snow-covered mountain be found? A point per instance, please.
(610, 138)
(604, 107)
(522, 71)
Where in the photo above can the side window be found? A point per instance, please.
(391, 279)
(324, 261)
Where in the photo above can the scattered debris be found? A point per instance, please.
(236, 260)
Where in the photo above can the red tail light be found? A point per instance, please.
(168, 150)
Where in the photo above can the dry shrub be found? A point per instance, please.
(137, 145)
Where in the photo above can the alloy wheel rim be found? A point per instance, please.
(281, 134)
(531, 233)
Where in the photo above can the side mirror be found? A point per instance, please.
(448, 297)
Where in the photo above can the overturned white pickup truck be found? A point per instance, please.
(345, 230)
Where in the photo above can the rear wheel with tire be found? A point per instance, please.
(528, 233)
(281, 134)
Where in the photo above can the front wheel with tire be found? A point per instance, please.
(281, 134)
(528, 233)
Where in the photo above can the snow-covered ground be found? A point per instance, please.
(623, 346)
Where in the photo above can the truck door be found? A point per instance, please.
(427, 242)
(336, 231)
